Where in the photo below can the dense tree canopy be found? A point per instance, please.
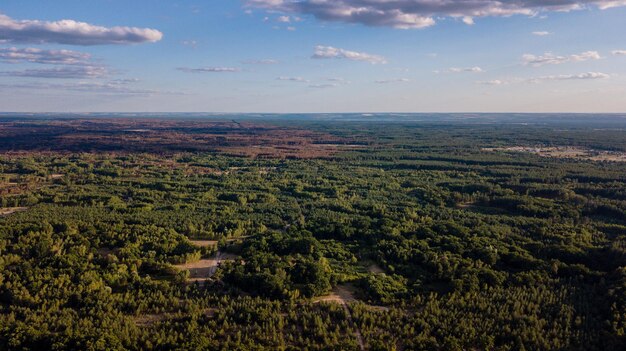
(443, 245)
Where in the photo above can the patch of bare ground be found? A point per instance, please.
(56, 176)
(463, 205)
(573, 152)
(202, 270)
(10, 210)
(376, 269)
(342, 294)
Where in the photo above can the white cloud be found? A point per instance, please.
(541, 33)
(395, 80)
(618, 52)
(209, 69)
(581, 76)
(584, 56)
(72, 32)
(551, 59)
(540, 79)
(474, 69)
(284, 19)
(261, 62)
(65, 72)
(409, 14)
(35, 55)
(329, 52)
(113, 87)
(323, 85)
(293, 79)
(493, 82)
(338, 80)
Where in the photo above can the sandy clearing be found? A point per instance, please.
(341, 294)
(573, 152)
(205, 268)
(10, 210)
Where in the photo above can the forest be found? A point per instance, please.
(165, 234)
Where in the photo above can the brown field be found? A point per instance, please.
(160, 136)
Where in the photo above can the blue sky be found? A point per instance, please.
(313, 56)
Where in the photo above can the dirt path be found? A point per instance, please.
(342, 295)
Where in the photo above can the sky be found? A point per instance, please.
(288, 56)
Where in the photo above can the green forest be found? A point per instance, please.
(408, 237)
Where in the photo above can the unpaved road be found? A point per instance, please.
(343, 295)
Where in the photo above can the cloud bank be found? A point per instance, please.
(35, 55)
(65, 72)
(209, 69)
(560, 77)
(293, 79)
(395, 80)
(581, 76)
(71, 32)
(329, 52)
(261, 62)
(551, 59)
(410, 14)
(114, 87)
(474, 69)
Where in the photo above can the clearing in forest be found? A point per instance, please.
(342, 294)
(574, 152)
(202, 270)
(10, 210)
